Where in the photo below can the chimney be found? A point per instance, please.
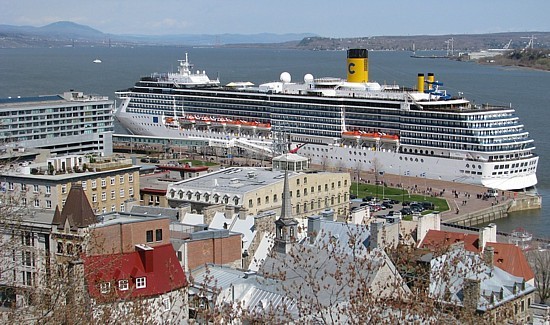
(487, 235)
(229, 211)
(313, 228)
(146, 256)
(471, 289)
(489, 255)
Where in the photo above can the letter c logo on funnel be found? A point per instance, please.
(350, 70)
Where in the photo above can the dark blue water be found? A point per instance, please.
(29, 72)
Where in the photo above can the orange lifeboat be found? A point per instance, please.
(351, 134)
(390, 137)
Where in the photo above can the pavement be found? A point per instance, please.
(459, 196)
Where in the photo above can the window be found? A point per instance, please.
(28, 259)
(158, 234)
(112, 181)
(94, 197)
(27, 238)
(49, 189)
(149, 236)
(113, 208)
(258, 201)
(112, 194)
(105, 287)
(141, 282)
(11, 186)
(123, 285)
(48, 204)
(84, 184)
(122, 207)
(130, 178)
(23, 187)
(250, 205)
(275, 198)
(166, 304)
(63, 188)
(35, 189)
(94, 184)
(103, 182)
(121, 192)
(36, 203)
(121, 179)
(103, 196)
(131, 191)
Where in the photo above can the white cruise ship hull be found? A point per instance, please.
(367, 160)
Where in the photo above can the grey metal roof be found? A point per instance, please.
(235, 180)
(155, 211)
(18, 100)
(449, 272)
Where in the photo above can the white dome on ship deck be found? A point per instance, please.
(285, 77)
(308, 78)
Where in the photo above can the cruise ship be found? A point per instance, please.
(351, 123)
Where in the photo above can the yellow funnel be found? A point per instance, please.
(431, 79)
(420, 82)
(358, 65)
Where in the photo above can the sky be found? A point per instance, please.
(348, 18)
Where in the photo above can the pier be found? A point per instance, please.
(467, 207)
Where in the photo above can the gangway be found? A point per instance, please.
(243, 144)
(251, 146)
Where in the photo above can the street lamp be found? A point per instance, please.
(383, 185)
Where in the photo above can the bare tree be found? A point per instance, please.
(540, 263)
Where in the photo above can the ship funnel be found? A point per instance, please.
(420, 82)
(358, 65)
(431, 80)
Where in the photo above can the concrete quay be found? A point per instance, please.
(466, 208)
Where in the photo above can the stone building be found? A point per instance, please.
(256, 190)
(110, 183)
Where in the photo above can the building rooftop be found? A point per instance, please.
(508, 257)
(158, 265)
(451, 272)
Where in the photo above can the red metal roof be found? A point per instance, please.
(507, 257)
(164, 275)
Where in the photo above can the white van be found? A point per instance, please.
(492, 192)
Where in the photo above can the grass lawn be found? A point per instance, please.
(384, 192)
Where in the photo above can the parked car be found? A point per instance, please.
(427, 205)
(406, 211)
(416, 208)
(387, 205)
(154, 160)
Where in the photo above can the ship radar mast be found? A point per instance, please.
(185, 66)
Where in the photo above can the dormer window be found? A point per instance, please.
(141, 282)
(105, 287)
(123, 285)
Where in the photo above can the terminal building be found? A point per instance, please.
(257, 190)
(72, 123)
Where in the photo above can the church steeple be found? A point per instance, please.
(286, 209)
(285, 226)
